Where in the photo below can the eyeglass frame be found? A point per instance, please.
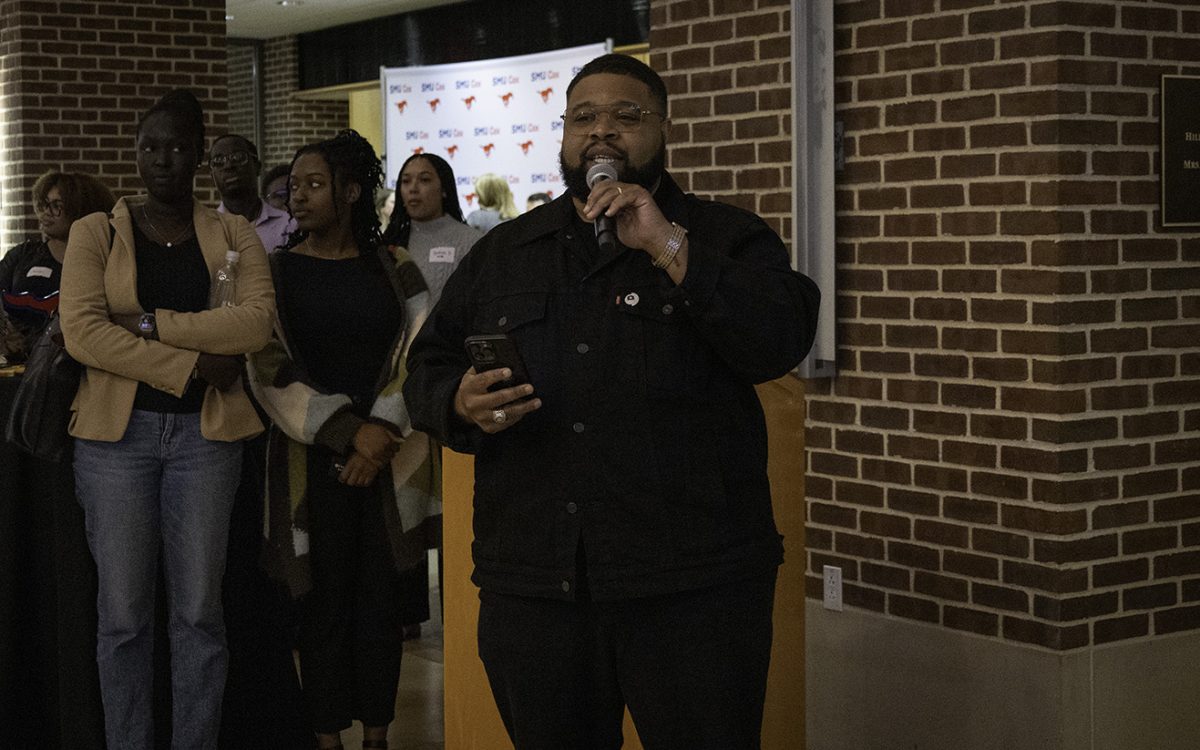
(55, 207)
(231, 158)
(569, 125)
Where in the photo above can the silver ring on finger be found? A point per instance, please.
(499, 416)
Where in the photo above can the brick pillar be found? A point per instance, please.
(1008, 463)
(290, 122)
(74, 78)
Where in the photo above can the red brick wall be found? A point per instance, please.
(75, 77)
(1012, 446)
(244, 70)
(290, 122)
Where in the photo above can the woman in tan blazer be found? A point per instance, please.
(158, 418)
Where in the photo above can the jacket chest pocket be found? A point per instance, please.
(658, 341)
(522, 317)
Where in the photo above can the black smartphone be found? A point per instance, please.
(495, 350)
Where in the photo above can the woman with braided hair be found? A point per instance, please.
(350, 487)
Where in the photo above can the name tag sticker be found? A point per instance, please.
(42, 271)
(441, 255)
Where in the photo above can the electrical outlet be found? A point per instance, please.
(833, 587)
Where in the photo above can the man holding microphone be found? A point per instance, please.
(625, 545)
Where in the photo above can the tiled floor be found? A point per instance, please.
(419, 708)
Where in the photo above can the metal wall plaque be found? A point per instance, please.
(1180, 151)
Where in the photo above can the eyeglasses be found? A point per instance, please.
(54, 208)
(279, 195)
(236, 158)
(626, 118)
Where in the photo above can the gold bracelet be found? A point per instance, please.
(674, 242)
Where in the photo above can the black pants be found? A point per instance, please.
(49, 682)
(351, 636)
(692, 667)
(263, 707)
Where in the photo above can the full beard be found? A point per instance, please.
(647, 175)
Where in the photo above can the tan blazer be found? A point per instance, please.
(98, 282)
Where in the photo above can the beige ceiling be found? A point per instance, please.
(264, 19)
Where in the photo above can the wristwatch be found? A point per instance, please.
(148, 326)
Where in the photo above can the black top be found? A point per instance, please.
(342, 317)
(29, 280)
(170, 278)
(650, 447)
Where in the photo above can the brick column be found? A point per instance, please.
(289, 122)
(1011, 447)
(1009, 459)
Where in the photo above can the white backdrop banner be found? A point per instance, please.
(498, 116)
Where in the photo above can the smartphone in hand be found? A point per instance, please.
(493, 351)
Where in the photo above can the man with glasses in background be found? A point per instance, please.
(263, 704)
(234, 164)
(625, 545)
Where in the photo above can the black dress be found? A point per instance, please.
(342, 318)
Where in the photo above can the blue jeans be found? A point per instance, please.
(162, 486)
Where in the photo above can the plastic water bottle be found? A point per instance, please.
(224, 288)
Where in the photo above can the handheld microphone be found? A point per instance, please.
(606, 233)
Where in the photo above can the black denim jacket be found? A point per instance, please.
(650, 446)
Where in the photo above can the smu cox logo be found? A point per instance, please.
(432, 86)
(399, 88)
(449, 133)
(531, 127)
(415, 135)
(470, 84)
(486, 130)
(543, 75)
(505, 80)
(543, 177)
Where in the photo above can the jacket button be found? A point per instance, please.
(582, 348)
(503, 321)
(566, 586)
(572, 507)
(667, 309)
(578, 427)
